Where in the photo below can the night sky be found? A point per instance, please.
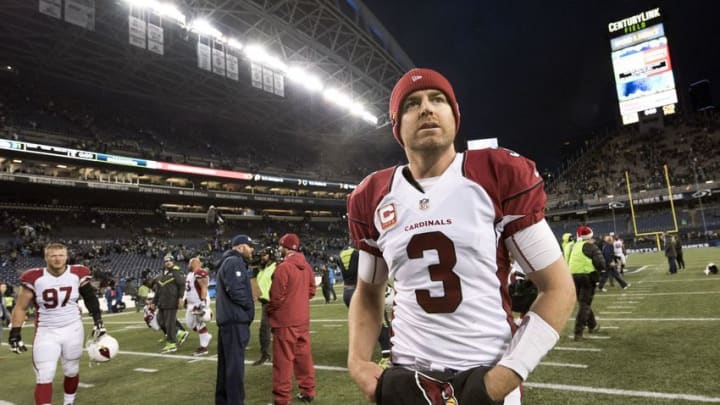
(536, 74)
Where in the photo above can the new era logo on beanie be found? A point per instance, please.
(414, 80)
(290, 241)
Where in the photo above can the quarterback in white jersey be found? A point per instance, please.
(443, 228)
(54, 292)
(198, 303)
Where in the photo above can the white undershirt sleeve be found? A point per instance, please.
(534, 247)
(372, 269)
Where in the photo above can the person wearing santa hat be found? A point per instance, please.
(586, 262)
(443, 227)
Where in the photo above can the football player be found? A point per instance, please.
(54, 291)
(442, 227)
(198, 303)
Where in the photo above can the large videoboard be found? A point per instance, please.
(641, 63)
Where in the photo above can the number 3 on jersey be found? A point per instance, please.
(442, 271)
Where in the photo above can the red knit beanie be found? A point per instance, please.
(414, 80)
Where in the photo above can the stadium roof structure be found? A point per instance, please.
(340, 41)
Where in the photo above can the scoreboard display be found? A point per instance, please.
(642, 66)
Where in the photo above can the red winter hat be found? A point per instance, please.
(584, 232)
(290, 241)
(414, 80)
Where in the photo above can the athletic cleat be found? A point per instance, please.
(169, 348)
(596, 329)
(262, 360)
(201, 351)
(182, 337)
(627, 286)
(305, 399)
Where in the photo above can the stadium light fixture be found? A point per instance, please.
(309, 81)
(370, 118)
(234, 43)
(258, 54)
(337, 97)
(203, 27)
(164, 9)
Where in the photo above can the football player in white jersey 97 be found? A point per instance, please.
(198, 303)
(443, 227)
(54, 291)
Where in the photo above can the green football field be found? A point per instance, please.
(659, 343)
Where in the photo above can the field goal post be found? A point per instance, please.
(672, 209)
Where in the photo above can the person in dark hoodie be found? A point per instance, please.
(235, 311)
(293, 285)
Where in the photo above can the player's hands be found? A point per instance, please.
(498, 382)
(365, 374)
(198, 310)
(98, 329)
(16, 344)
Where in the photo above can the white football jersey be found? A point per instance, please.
(618, 247)
(192, 293)
(444, 250)
(56, 297)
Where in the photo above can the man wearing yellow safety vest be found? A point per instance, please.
(567, 238)
(585, 261)
(264, 281)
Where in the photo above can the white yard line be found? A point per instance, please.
(592, 337)
(571, 365)
(638, 270)
(624, 393)
(661, 319)
(679, 280)
(577, 349)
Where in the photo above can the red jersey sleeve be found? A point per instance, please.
(200, 273)
(82, 273)
(514, 185)
(28, 277)
(361, 206)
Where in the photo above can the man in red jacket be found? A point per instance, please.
(293, 285)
